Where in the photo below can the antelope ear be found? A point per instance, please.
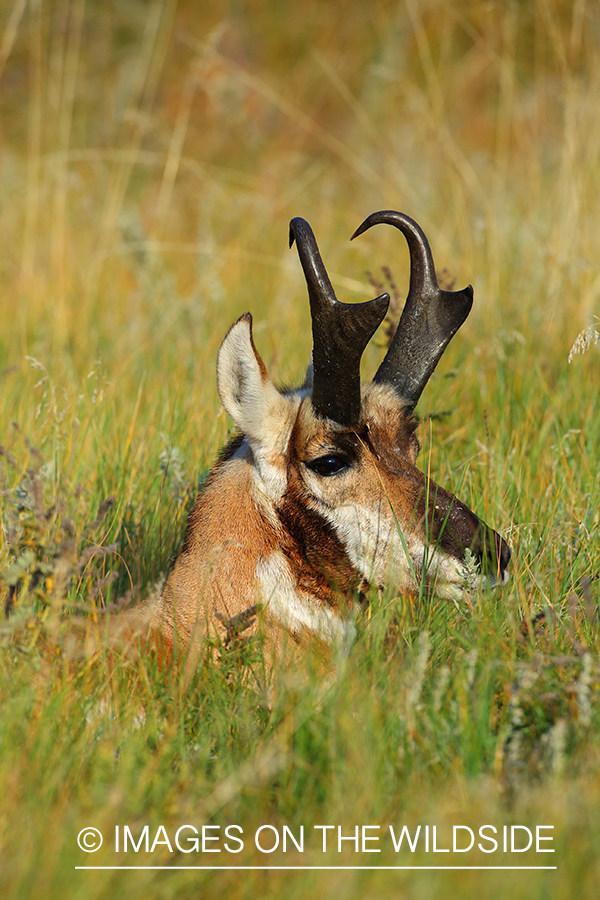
(246, 391)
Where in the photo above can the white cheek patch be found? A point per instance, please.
(374, 545)
(380, 551)
(367, 537)
(298, 611)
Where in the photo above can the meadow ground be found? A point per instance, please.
(151, 156)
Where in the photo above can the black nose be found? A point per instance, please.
(458, 529)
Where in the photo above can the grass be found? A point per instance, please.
(152, 156)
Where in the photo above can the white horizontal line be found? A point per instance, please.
(319, 868)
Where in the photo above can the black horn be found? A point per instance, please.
(341, 331)
(431, 316)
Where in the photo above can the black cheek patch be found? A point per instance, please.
(317, 557)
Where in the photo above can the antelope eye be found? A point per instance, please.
(328, 465)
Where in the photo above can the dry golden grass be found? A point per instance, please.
(151, 156)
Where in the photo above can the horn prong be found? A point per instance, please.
(429, 320)
(341, 331)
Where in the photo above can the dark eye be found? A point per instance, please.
(328, 465)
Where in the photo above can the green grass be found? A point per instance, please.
(152, 156)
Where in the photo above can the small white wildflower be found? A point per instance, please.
(172, 464)
(441, 686)
(516, 717)
(584, 340)
(471, 570)
(557, 744)
(101, 382)
(413, 693)
(471, 660)
(35, 363)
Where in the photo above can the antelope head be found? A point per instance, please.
(319, 498)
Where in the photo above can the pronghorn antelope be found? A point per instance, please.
(318, 500)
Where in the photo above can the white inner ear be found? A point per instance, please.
(246, 391)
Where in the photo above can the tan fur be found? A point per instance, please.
(275, 548)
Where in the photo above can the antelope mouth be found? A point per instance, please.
(461, 579)
(464, 590)
(473, 578)
(472, 582)
(487, 582)
(498, 581)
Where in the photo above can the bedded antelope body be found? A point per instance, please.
(318, 500)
